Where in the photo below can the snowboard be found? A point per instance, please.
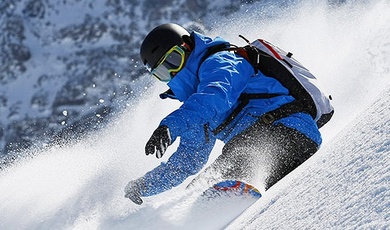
(232, 188)
(231, 196)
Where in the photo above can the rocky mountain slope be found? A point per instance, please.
(67, 66)
(71, 64)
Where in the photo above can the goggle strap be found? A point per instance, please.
(186, 47)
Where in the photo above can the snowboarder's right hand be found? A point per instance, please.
(132, 191)
(159, 141)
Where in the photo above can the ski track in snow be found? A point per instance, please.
(344, 186)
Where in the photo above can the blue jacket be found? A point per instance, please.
(209, 91)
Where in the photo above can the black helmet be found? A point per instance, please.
(159, 41)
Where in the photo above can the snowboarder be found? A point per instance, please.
(266, 138)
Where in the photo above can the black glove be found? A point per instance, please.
(159, 141)
(132, 191)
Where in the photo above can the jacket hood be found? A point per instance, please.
(185, 83)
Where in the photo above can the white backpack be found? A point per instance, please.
(275, 62)
(302, 84)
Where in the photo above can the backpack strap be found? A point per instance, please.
(215, 49)
(248, 52)
(281, 112)
(267, 118)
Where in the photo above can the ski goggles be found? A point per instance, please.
(171, 62)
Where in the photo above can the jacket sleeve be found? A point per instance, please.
(189, 158)
(223, 77)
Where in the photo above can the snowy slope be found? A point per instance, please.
(345, 185)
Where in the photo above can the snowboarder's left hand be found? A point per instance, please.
(132, 191)
(159, 141)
